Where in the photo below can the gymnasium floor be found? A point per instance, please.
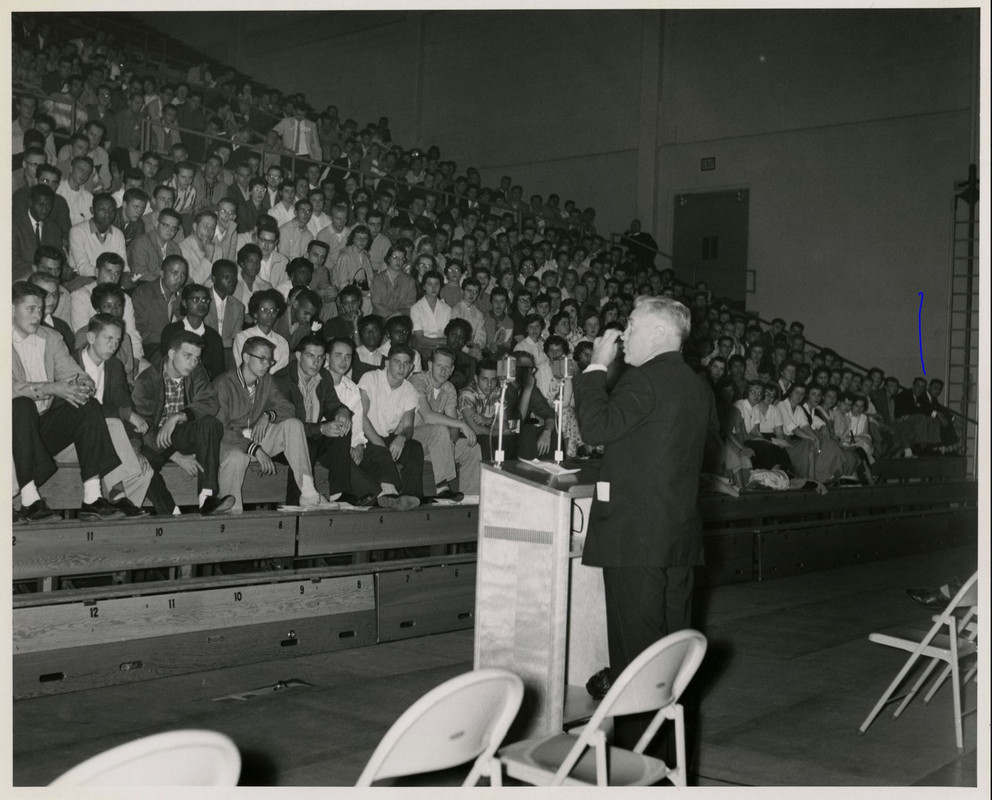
(788, 678)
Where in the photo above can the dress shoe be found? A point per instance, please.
(216, 505)
(19, 517)
(933, 599)
(449, 494)
(101, 510)
(599, 684)
(365, 501)
(39, 511)
(130, 509)
(401, 502)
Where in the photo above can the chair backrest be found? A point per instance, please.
(176, 758)
(966, 597)
(460, 720)
(657, 677)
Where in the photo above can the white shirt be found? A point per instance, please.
(80, 202)
(474, 317)
(791, 419)
(281, 214)
(220, 306)
(383, 352)
(81, 311)
(750, 414)
(96, 372)
(282, 346)
(430, 322)
(317, 223)
(31, 351)
(386, 404)
(349, 394)
(371, 357)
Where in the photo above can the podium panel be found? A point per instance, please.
(538, 612)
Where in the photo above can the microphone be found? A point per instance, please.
(561, 367)
(506, 369)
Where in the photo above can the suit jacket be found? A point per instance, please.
(151, 313)
(288, 382)
(145, 257)
(654, 425)
(25, 242)
(21, 201)
(907, 403)
(239, 410)
(148, 398)
(116, 393)
(880, 400)
(247, 213)
(234, 319)
(62, 328)
(58, 360)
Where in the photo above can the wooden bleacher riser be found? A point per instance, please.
(927, 468)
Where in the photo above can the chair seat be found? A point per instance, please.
(535, 761)
(939, 647)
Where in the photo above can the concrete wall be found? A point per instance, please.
(848, 127)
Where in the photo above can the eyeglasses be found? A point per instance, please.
(263, 359)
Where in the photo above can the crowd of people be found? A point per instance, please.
(327, 298)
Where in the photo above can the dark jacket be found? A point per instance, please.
(116, 395)
(654, 425)
(148, 397)
(239, 410)
(288, 383)
(212, 355)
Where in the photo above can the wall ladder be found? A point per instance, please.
(963, 360)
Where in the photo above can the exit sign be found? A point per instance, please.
(706, 164)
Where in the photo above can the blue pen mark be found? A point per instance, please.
(919, 324)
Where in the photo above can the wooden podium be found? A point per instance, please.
(538, 611)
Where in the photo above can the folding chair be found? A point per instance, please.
(463, 719)
(950, 639)
(176, 758)
(653, 681)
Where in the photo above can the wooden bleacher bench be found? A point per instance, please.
(924, 468)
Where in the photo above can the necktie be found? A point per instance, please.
(296, 145)
(37, 231)
(172, 308)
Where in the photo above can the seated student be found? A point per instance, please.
(478, 406)
(533, 341)
(34, 228)
(557, 351)
(326, 421)
(226, 232)
(448, 440)
(915, 418)
(430, 315)
(109, 268)
(368, 354)
(755, 409)
(398, 330)
(466, 309)
(300, 317)
(345, 323)
(199, 248)
(179, 405)
(373, 470)
(127, 485)
(130, 212)
(51, 177)
(457, 334)
(299, 274)
(498, 325)
(525, 402)
(51, 288)
(282, 211)
(249, 282)
(392, 291)
(87, 240)
(389, 403)
(163, 197)
(949, 439)
(149, 251)
(226, 314)
(53, 407)
(265, 308)
(108, 298)
(156, 303)
(193, 308)
(259, 423)
(272, 267)
(294, 234)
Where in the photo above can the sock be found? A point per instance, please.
(388, 488)
(204, 494)
(91, 490)
(307, 489)
(29, 494)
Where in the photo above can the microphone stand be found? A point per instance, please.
(560, 412)
(499, 456)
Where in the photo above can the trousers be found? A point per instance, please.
(286, 437)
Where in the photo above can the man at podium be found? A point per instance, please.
(645, 528)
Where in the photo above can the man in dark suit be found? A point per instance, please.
(156, 303)
(33, 228)
(645, 526)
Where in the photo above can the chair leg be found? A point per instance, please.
(887, 694)
(678, 776)
(956, 686)
(907, 699)
(937, 683)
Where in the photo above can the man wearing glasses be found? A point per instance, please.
(148, 252)
(259, 423)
